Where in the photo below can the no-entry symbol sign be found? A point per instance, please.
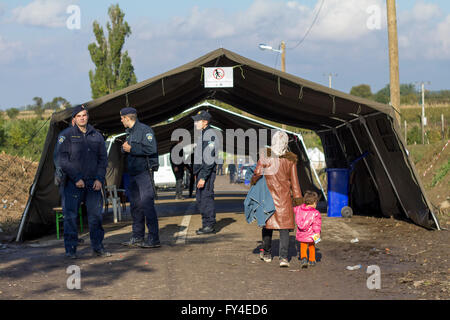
(218, 77)
(218, 73)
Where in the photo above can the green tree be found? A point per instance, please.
(12, 113)
(113, 69)
(363, 91)
(38, 107)
(57, 103)
(26, 137)
(383, 95)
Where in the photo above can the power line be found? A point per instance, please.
(310, 27)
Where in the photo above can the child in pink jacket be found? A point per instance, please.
(308, 222)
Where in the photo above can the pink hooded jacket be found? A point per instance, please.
(309, 222)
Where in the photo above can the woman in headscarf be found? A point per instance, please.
(279, 166)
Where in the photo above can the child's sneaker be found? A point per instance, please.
(311, 263)
(284, 263)
(265, 256)
(304, 263)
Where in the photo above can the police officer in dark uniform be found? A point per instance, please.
(205, 171)
(178, 170)
(142, 154)
(83, 160)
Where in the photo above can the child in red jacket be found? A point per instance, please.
(308, 222)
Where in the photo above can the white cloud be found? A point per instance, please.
(421, 12)
(343, 21)
(442, 39)
(424, 33)
(43, 13)
(272, 20)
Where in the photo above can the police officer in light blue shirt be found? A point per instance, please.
(205, 171)
(83, 160)
(142, 156)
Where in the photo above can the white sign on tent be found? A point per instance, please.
(218, 77)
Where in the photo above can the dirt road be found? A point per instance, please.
(413, 262)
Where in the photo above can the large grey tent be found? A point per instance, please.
(347, 125)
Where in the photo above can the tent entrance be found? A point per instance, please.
(347, 125)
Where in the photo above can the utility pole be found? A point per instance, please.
(423, 112)
(330, 78)
(424, 119)
(283, 65)
(283, 56)
(393, 57)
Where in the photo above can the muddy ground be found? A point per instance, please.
(413, 261)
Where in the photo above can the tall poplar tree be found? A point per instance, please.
(113, 69)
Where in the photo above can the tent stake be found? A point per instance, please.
(363, 122)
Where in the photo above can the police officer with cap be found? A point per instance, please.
(83, 159)
(204, 170)
(142, 154)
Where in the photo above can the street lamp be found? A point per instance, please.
(282, 50)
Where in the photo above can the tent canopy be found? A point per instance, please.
(347, 125)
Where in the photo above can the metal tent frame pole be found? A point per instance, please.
(312, 167)
(267, 125)
(341, 145)
(405, 153)
(363, 121)
(27, 208)
(349, 126)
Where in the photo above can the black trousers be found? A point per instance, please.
(179, 187)
(284, 241)
(205, 202)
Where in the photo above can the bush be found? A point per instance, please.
(24, 138)
(414, 135)
(433, 135)
(12, 113)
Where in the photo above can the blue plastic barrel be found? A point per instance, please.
(337, 191)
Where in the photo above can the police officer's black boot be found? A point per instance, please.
(133, 242)
(206, 230)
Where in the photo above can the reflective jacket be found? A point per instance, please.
(82, 155)
(144, 150)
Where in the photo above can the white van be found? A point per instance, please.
(164, 177)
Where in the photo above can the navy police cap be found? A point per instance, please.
(77, 109)
(202, 115)
(127, 110)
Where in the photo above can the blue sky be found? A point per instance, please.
(40, 56)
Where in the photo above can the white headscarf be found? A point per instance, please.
(280, 142)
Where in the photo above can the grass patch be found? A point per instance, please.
(441, 173)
